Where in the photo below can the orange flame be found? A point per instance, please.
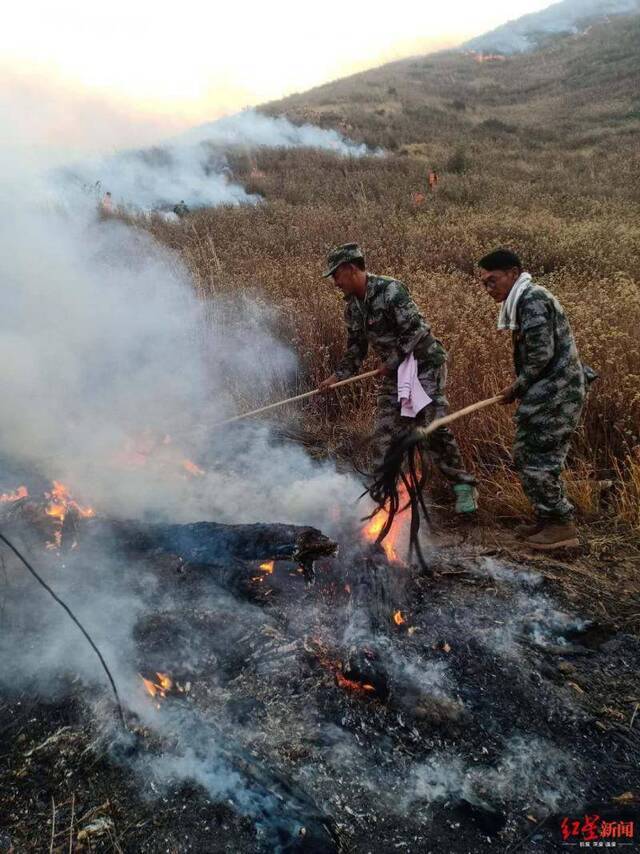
(375, 525)
(398, 619)
(267, 566)
(16, 495)
(60, 502)
(373, 528)
(165, 681)
(159, 688)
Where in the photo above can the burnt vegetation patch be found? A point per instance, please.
(454, 710)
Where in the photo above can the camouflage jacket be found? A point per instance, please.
(390, 321)
(548, 369)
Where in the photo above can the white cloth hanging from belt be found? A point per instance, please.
(411, 395)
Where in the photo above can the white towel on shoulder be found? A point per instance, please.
(410, 392)
(507, 313)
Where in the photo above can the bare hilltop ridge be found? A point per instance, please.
(566, 18)
(577, 93)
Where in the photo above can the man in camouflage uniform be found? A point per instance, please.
(181, 209)
(379, 312)
(551, 385)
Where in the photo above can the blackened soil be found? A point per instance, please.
(507, 711)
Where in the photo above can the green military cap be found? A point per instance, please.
(342, 255)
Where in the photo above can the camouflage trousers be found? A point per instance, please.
(390, 427)
(543, 436)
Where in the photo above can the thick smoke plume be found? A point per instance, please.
(117, 370)
(568, 16)
(254, 129)
(115, 377)
(192, 167)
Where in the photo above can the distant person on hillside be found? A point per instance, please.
(433, 179)
(181, 209)
(551, 386)
(106, 205)
(379, 312)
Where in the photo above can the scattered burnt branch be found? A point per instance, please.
(210, 543)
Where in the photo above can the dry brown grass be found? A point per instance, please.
(573, 214)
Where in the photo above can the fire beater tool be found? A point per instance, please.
(401, 479)
(297, 398)
(453, 416)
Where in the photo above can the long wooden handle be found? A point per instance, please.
(474, 407)
(298, 397)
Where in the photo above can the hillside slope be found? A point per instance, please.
(578, 93)
(569, 16)
(537, 152)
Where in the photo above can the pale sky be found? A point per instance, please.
(168, 65)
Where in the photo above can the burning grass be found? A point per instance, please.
(16, 495)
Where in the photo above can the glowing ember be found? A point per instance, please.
(150, 686)
(398, 619)
(192, 468)
(159, 688)
(16, 495)
(335, 667)
(267, 566)
(351, 685)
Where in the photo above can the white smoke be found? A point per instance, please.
(532, 620)
(157, 179)
(113, 358)
(488, 566)
(567, 16)
(108, 352)
(192, 167)
(253, 129)
(530, 771)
